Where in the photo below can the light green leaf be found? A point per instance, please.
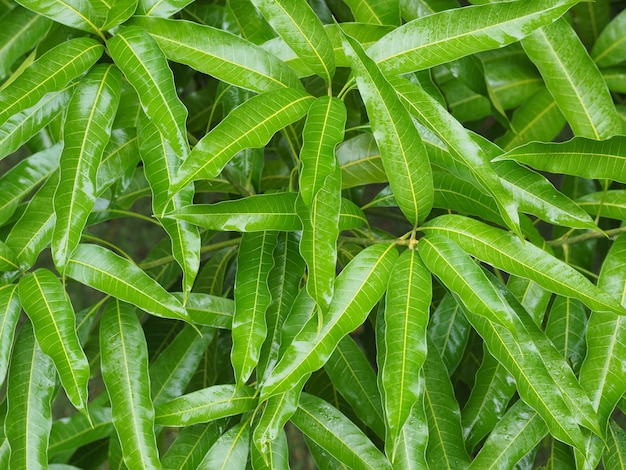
(78, 14)
(573, 157)
(360, 162)
(30, 390)
(206, 405)
(45, 301)
(124, 365)
(230, 450)
(412, 441)
(423, 43)
(357, 289)
(507, 252)
(86, 132)
(138, 55)
(117, 12)
(101, 269)
(10, 309)
(252, 125)
(274, 211)
(68, 434)
(449, 331)
(610, 204)
(381, 12)
(277, 411)
(296, 22)
(337, 435)
(252, 296)
(220, 54)
(50, 72)
(406, 315)
(248, 22)
(573, 80)
(120, 157)
(277, 456)
(403, 154)
(615, 457)
(20, 30)
(610, 47)
(566, 329)
(209, 310)
(191, 445)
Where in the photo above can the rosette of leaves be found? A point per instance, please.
(374, 234)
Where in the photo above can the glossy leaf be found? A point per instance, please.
(78, 14)
(350, 306)
(209, 310)
(566, 329)
(45, 301)
(230, 450)
(360, 161)
(254, 123)
(413, 439)
(449, 331)
(191, 445)
(124, 365)
(89, 119)
(252, 297)
(616, 456)
(573, 80)
(375, 11)
(403, 155)
(119, 158)
(610, 47)
(117, 12)
(220, 54)
(107, 272)
(337, 435)
(75, 431)
(10, 309)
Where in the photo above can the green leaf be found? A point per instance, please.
(573, 80)
(138, 55)
(360, 162)
(230, 450)
(107, 272)
(117, 12)
(248, 22)
(30, 390)
(406, 315)
(119, 158)
(259, 213)
(78, 14)
(573, 157)
(252, 296)
(50, 72)
(10, 309)
(296, 22)
(220, 54)
(507, 252)
(337, 435)
(615, 457)
(206, 405)
(375, 11)
(423, 43)
(209, 310)
(20, 31)
(89, 119)
(67, 434)
(609, 204)
(412, 441)
(253, 123)
(357, 289)
(610, 47)
(124, 365)
(191, 445)
(45, 301)
(566, 329)
(449, 331)
(403, 154)
(277, 456)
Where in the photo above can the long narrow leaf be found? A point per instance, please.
(78, 14)
(10, 309)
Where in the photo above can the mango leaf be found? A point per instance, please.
(220, 54)
(30, 390)
(572, 157)
(610, 47)
(375, 11)
(566, 329)
(413, 438)
(209, 310)
(161, 8)
(422, 43)
(277, 456)
(248, 22)
(610, 204)
(101, 269)
(406, 315)
(296, 22)
(45, 301)
(252, 296)
(117, 12)
(230, 450)
(75, 431)
(206, 405)
(78, 14)
(21, 29)
(449, 331)
(191, 445)
(357, 289)
(50, 72)
(505, 251)
(119, 158)
(616, 455)
(124, 366)
(277, 411)
(403, 154)
(360, 161)
(573, 80)
(138, 55)
(10, 309)
(260, 212)
(89, 119)
(253, 123)
(337, 435)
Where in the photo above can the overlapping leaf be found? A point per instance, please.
(10, 309)
(78, 14)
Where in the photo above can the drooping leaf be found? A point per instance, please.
(45, 301)
(107, 272)
(403, 154)
(116, 12)
(209, 310)
(252, 296)
(230, 450)
(337, 435)
(360, 161)
(30, 390)
(375, 11)
(124, 365)
(449, 331)
(412, 441)
(76, 431)
(610, 48)
(253, 123)
(120, 156)
(10, 309)
(220, 54)
(78, 14)
(191, 445)
(573, 80)
(566, 329)
(277, 456)
(357, 289)
(89, 119)
(138, 55)
(616, 455)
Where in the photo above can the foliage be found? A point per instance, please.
(393, 228)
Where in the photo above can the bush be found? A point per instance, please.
(271, 221)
